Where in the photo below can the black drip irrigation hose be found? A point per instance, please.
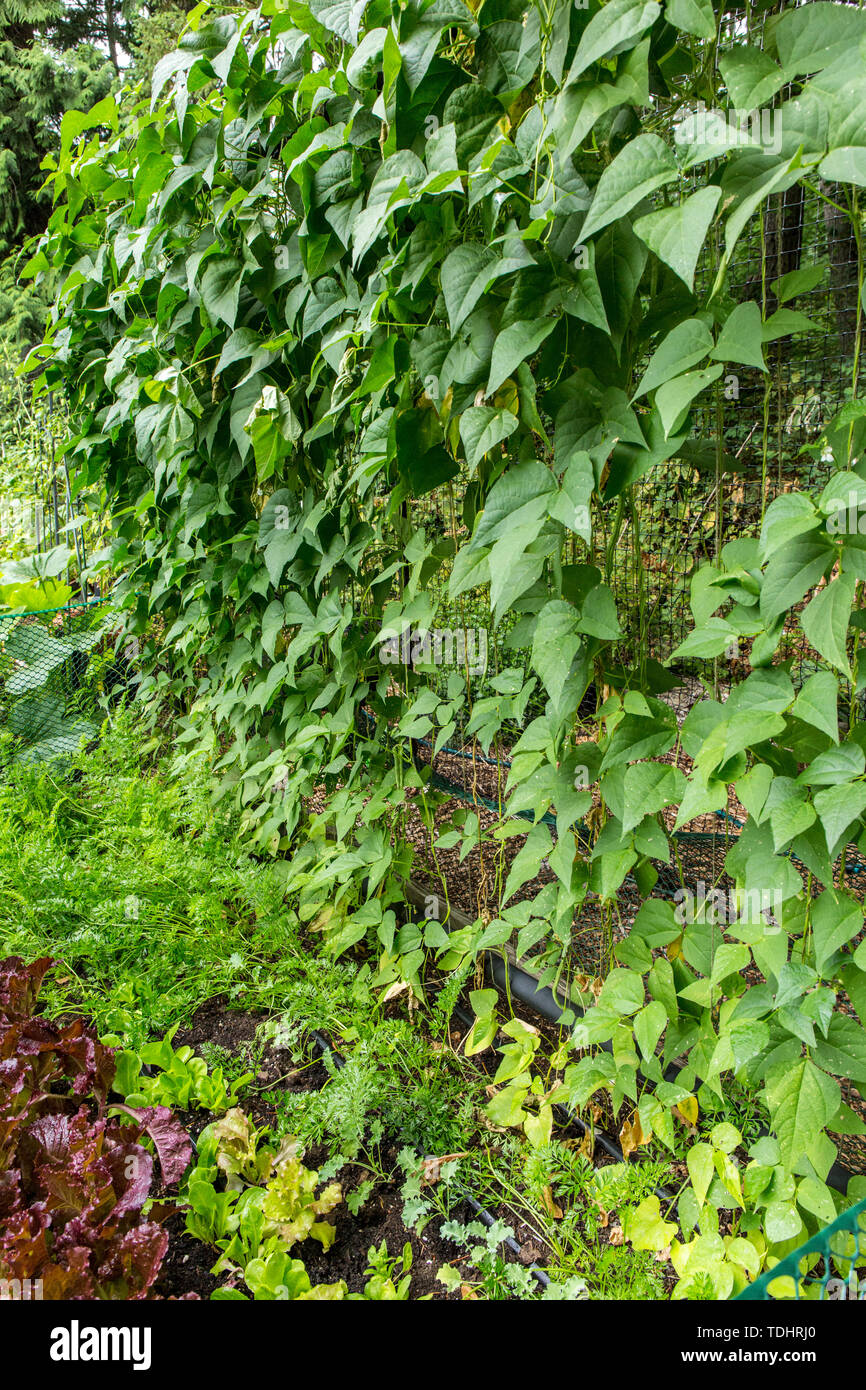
(687, 837)
(481, 1212)
(511, 979)
(571, 1117)
(508, 976)
(525, 987)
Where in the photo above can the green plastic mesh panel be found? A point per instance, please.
(824, 1267)
(53, 671)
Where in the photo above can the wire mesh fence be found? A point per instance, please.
(37, 505)
(757, 435)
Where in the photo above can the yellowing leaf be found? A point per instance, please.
(507, 397)
(631, 1135)
(688, 1110)
(646, 1228)
(550, 1206)
(538, 1128)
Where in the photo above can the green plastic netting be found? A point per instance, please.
(55, 667)
(825, 1267)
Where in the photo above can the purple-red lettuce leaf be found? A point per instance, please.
(74, 1180)
(170, 1139)
(20, 985)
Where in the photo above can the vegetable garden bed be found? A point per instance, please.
(447, 417)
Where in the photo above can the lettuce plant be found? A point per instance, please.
(269, 1202)
(279, 1278)
(74, 1179)
(182, 1079)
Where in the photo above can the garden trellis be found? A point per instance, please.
(37, 510)
(445, 321)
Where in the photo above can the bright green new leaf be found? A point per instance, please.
(644, 164)
(506, 1107)
(782, 1221)
(645, 1227)
(75, 123)
(815, 1196)
(825, 621)
(677, 234)
(729, 959)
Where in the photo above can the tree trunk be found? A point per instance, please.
(842, 251)
(784, 237)
(111, 33)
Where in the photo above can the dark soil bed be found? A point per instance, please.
(186, 1269)
(379, 1219)
(188, 1262)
